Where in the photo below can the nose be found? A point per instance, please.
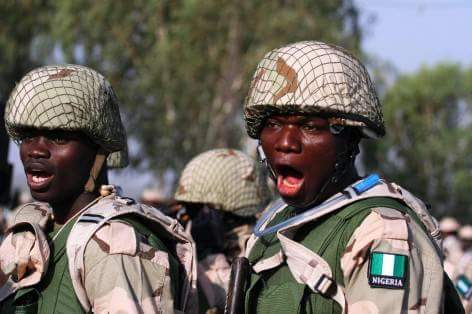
(289, 140)
(36, 147)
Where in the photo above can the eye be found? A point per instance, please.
(310, 127)
(59, 140)
(314, 125)
(26, 138)
(271, 123)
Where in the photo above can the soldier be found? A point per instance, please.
(452, 247)
(335, 242)
(82, 247)
(221, 190)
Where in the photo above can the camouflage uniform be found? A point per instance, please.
(229, 181)
(107, 258)
(341, 259)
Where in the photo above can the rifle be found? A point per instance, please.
(240, 271)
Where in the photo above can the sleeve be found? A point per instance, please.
(391, 266)
(125, 274)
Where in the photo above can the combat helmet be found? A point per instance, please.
(70, 98)
(312, 77)
(227, 179)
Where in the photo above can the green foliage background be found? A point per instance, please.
(428, 147)
(181, 70)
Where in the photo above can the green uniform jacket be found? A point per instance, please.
(55, 292)
(276, 291)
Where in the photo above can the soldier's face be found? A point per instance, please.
(302, 152)
(57, 164)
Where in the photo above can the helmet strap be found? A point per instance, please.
(263, 160)
(100, 159)
(341, 167)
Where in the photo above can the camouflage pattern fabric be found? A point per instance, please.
(127, 276)
(123, 272)
(213, 276)
(227, 179)
(387, 230)
(313, 78)
(70, 98)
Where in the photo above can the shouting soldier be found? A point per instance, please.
(335, 242)
(82, 247)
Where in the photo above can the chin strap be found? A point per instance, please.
(343, 160)
(100, 159)
(263, 160)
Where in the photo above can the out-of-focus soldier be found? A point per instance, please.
(452, 247)
(465, 236)
(155, 197)
(221, 191)
(83, 247)
(463, 270)
(334, 242)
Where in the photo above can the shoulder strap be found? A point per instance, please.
(116, 207)
(157, 243)
(310, 269)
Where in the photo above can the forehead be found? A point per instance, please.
(52, 133)
(298, 118)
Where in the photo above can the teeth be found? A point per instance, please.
(37, 179)
(288, 183)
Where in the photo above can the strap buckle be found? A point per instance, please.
(324, 285)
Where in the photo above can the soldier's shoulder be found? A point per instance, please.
(118, 239)
(31, 212)
(390, 223)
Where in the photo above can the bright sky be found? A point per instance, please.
(406, 33)
(410, 33)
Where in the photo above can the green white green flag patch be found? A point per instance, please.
(387, 270)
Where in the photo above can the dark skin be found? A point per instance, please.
(302, 151)
(57, 166)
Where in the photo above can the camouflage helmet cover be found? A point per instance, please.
(70, 98)
(227, 179)
(313, 78)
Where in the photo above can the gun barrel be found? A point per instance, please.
(240, 270)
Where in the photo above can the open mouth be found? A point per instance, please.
(38, 180)
(289, 181)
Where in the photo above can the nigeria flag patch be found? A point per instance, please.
(387, 270)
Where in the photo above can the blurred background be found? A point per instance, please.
(181, 70)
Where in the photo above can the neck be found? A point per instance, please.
(66, 210)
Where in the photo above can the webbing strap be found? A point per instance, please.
(48, 295)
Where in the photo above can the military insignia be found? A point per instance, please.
(387, 270)
(464, 286)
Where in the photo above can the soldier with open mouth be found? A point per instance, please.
(82, 247)
(334, 242)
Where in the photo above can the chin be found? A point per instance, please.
(41, 196)
(293, 202)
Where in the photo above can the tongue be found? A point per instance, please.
(289, 186)
(292, 180)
